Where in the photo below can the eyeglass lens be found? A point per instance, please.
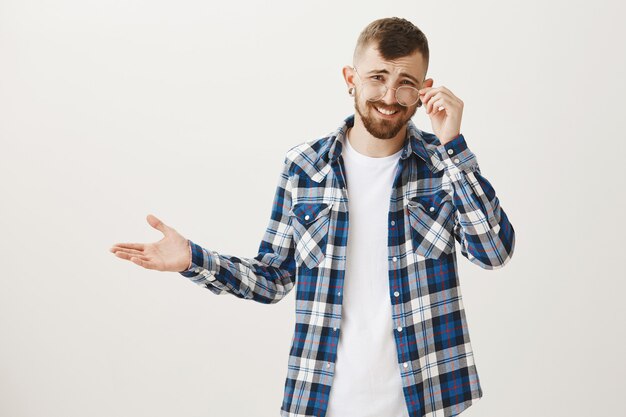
(374, 91)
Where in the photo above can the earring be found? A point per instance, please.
(351, 91)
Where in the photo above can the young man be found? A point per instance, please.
(364, 223)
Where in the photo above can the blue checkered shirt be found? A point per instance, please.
(439, 196)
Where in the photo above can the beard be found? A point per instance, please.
(377, 125)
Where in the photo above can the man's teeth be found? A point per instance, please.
(388, 112)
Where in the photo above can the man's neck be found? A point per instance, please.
(364, 143)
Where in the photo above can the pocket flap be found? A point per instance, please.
(309, 212)
(431, 203)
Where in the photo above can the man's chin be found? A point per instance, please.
(383, 128)
(379, 126)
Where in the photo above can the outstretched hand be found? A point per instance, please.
(168, 254)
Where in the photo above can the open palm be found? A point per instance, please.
(168, 254)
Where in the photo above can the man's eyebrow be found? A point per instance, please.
(404, 74)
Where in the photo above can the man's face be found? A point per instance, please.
(408, 70)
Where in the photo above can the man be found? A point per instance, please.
(364, 223)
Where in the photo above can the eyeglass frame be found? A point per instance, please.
(387, 89)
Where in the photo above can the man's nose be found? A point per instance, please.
(390, 97)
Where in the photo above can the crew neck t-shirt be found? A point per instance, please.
(367, 381)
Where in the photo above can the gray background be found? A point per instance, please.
(113, 110)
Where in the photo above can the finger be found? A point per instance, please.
(432, 96)
(137, 246)
(425, 96)
(448, 92)
(424, 90)
(142, 262)
(453, 101)
(436, 98)
(128, 256)
(133, 251)
(156, 223)
(438, 105)
(428, 92)
(429, 105)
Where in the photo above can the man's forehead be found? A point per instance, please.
(371, 60)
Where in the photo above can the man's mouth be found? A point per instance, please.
(386, 112)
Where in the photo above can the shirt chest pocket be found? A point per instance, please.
(310, 232)
(432, 220)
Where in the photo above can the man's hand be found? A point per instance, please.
(445, 111)
(168, 254)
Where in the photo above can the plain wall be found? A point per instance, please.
(113, 110)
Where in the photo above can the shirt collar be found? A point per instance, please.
(414, 143)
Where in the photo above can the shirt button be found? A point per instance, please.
(399, 328)
(393, 222)
(338, 292)
(432, 209)
(405, 364)
(328, 364)
(450, 151)
(395, 259)
(306, 217)
(456, 161)
(334, 328)
(396, 293)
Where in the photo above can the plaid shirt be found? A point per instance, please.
(439, 196)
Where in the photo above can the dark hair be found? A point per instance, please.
(394, 37)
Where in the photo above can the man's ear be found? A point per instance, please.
(348, 76)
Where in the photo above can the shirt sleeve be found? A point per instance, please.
(267, 277)
(482, 228)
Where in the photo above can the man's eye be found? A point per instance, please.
(374, 77)
(408, 82)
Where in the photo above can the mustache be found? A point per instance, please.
(382, 106)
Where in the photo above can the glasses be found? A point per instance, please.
(374, 90)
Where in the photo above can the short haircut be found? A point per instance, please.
(393, 37)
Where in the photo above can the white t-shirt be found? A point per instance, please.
(367, 381)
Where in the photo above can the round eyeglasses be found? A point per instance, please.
(374, 90)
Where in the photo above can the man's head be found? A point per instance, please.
(394, 51)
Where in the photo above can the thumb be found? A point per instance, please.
(157, 224)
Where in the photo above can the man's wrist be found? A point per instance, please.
(450, 140)
(456, 155)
